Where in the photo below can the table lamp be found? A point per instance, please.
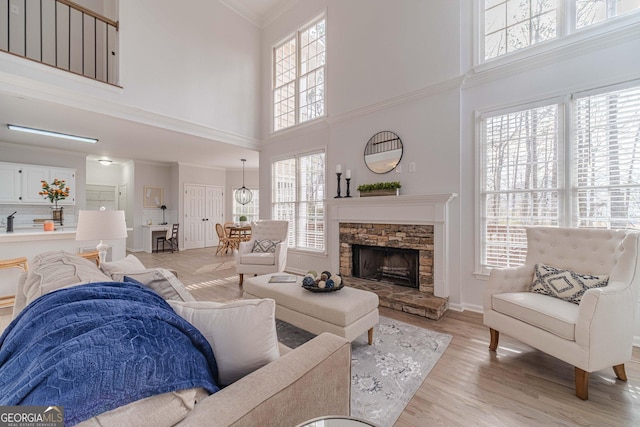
(101, 225)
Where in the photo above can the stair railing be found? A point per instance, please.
(64, 35)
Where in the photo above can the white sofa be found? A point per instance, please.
(310, 381)
(593, 335)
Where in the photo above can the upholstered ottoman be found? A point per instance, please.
(347, 313)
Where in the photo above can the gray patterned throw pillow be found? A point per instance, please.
(564, 284)
(265, 245)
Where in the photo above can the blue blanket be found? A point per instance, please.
(95, 347)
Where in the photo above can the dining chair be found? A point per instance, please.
(171, 238)
(223, 239)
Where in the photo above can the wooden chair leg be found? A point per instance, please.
(241, 278)
(370, 336)
(620, 373)
(582, 384)
(495, 336)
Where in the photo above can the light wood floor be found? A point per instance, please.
(470, 385)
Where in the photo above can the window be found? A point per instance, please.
(298, 77)
(298, 197)
(250, 210)
(523, 170)
(512, 25)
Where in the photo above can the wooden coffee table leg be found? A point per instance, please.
(370, 333)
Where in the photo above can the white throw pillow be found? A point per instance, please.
(242, 333)
(125, 265)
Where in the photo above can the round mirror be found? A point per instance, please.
(383, 152)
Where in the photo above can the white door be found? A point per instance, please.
(214, 214)
(194, 216)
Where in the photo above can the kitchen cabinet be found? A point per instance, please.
(10, 178)
(22, 183)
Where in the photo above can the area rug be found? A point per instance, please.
(385, 375)
(217, 266)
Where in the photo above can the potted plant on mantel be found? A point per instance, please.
(380, 189)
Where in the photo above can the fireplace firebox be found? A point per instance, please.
(399, 266)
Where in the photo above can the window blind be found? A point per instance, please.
(520, 182)
(606, 157)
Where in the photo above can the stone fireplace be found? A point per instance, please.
(386, 224)
(378, 239)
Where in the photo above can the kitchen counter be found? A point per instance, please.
(30, 234)
(29, 241)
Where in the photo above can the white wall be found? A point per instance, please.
(197, 61)
(395, 67)
(147, 174)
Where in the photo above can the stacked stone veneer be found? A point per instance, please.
(419, 237)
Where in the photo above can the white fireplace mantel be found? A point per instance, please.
(423, 209)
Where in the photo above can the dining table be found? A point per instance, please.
(238, 233)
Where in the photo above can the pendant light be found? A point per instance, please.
(243, 195)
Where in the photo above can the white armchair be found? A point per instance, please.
(253, 260)
(596, 333)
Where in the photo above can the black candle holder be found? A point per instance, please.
(338, 196)
(348, 190)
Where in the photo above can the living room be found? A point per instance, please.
(195, 95)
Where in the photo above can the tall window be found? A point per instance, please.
(298, 197)
(523, 171)
(298, 77)
(512, 25)
(250, 210)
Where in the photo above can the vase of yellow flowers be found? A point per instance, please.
(55, 191)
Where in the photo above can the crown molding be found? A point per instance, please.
(243, 11)
(444, 86)
(260, 21)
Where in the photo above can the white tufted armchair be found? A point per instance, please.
(596, 333)
(251, 261)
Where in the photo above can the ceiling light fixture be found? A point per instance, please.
(105, 162)
(53, 134)
(243, 195)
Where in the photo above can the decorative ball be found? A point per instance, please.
(322, 284)
(308, 281)
(309, 275)
(337, 280)
(324, 276)
(329, 284)
(327, 273)
(313, 273)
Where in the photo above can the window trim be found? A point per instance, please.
(296, 35)
(567, 36)
(296, 154)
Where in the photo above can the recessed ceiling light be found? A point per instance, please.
(105, 162)
(53, 134)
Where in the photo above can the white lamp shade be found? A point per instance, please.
(101, 225)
